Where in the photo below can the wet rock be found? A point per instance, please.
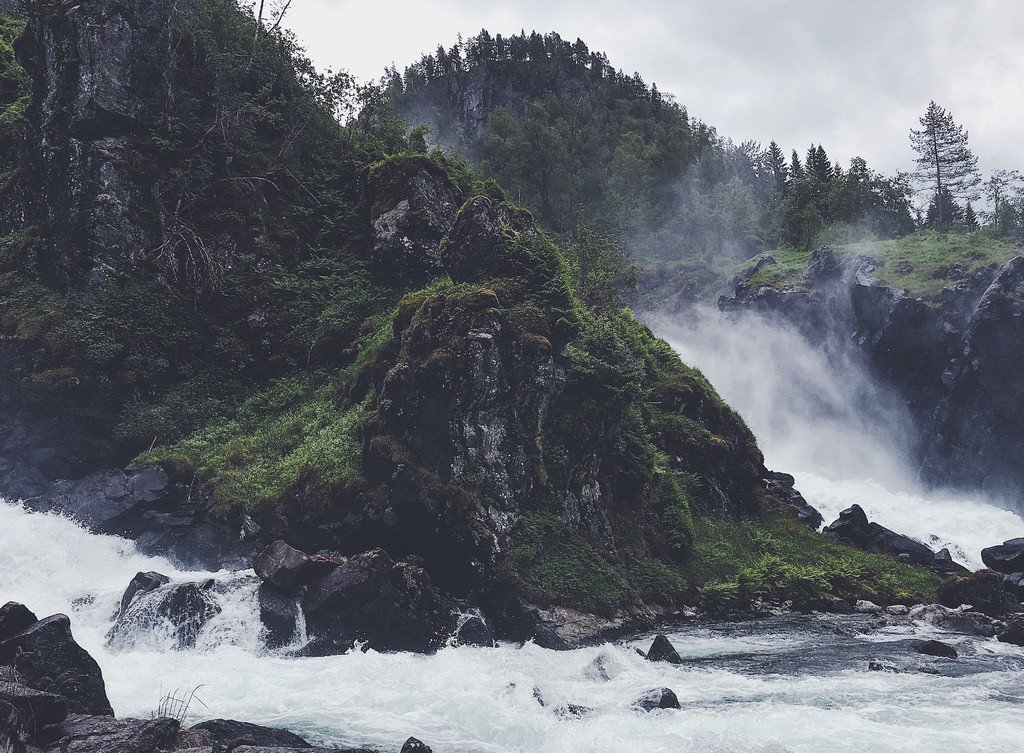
(572, 711)
(954, 620)
(13, 735)
(598, 668)
(945, 564)
(227, 732)
(279, 614)
(1013, 632)
(104, 734)
(14, 618)
(663, 650)
(985, 591)
(936, 648)
(288, 569)
(142, 583)
(880, 666)
(184, 608)
(1008, 557)
(659, 698)
(898, 610)
(392, 606)
(412, 745)
(47, 658)
(473, 630)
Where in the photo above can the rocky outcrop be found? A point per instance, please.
(162, 515)
(663, 650)
(659, 698)
(951, 357)
(229, 733)
(46, 657)
(853, 527)
(412, 206)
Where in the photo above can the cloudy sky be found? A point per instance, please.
(853, 75)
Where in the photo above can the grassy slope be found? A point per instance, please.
(929, 254)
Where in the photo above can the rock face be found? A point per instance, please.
(951, 358)
(413, 204)
(100, 734)
(46, 657)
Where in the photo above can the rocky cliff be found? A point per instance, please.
(951, 355)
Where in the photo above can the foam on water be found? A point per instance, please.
(743, 691)
(820, 417)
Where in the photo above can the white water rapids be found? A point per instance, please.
(796, 685)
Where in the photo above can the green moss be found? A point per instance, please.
(554, 565)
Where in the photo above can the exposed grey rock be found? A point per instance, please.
(412, 745)
(288, 569)
(36, 708)
(936, 648)
(954, 620)
(279, 614)
(142, 583)
(659, 698)
(104, 734)
(1013, 632)
(184, 608)
(14, 618)
(47, 658)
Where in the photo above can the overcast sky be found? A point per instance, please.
(853, 75)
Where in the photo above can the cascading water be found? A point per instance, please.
(823, 419)
(789, 684)
(796, 684)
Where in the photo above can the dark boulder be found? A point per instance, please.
(985, 590)
(658, 698)
(288, 569)
(13, 734)
(946, 565)
(1013, 632)
(936, 648)
(227, 732)
(279, 614)
(1008, 557)
(104, 734)
(142, 583)
(14, 618)
(47, 658)
(392, 606)
(412, 745)
(473, 630)
(185, 608)
(663, 650)
(853, 527)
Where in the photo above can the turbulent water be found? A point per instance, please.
(787, 684)
(846, 440)
(796, 684)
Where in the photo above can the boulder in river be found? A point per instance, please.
(936, 648)
(658, 698)
(412, 745)
(1007, 558)
(182, 608)
(104, 734)
(142, 583)
(288, 569)
(985, 591)
(954, 620)
(663, 650)
(392, 606)
(279, 615)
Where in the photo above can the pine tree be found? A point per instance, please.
(970, 219)
(944, 163)
(796, 169)
(776, 162)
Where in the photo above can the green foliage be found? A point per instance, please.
(290, 437)
(774, 556)
(15, 93)
(555, 565)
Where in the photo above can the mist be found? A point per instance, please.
(822, 417)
